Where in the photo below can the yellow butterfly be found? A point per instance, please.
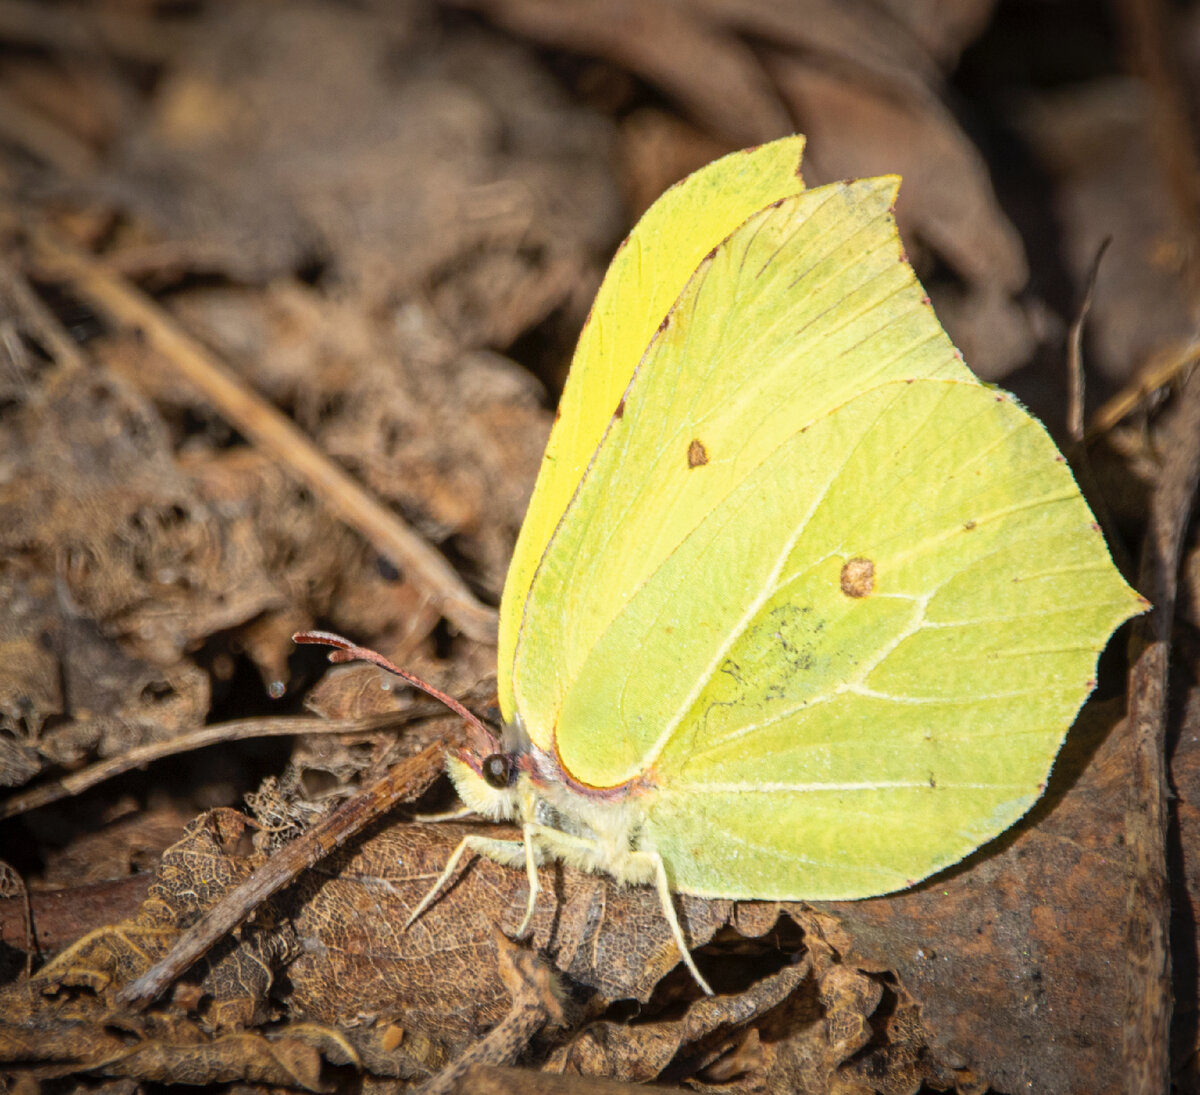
(800, 608)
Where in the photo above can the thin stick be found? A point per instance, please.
(1162, 368)
(1147, 953)
(404, 782)
(1075, 374)
(243, 729)
(270, 430)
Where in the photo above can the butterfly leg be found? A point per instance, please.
(663, 885)
(450, 815)
(506, 852)
(531, 865)
(637, 867)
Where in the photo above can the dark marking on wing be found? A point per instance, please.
(773, 661)
(697, 455)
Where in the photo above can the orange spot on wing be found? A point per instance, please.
(858, 577)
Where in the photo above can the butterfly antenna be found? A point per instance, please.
(346, 651)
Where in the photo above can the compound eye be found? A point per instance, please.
(497, 770)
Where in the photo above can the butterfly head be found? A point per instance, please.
(487, 773)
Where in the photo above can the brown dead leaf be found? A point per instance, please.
(95, 489)
(105, 702)
(129, 841)
(192, 875)
(496, 1080)
(451, 439)
(410, 1001)
(536, 999)
(61, 916)
(1016, 946)
(946, 204)
(182, 1056)
(642, 1052)
(1096, 140)
(64, 1012)
(849, 998)
(444, 967)
(370, 139)
(861, 82)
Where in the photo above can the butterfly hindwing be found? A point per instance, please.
(829, 598)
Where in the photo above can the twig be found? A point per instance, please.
(536, 1001)
(18, 298)
(1147, 954)
(1075, 374)
(77, 782)
(1160, 370)
(406, 781)
(270, 430)
(26, 128)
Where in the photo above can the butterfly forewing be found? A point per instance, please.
(802, 306)
(642, 283)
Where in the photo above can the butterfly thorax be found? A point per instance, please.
(609, 831)
(606, 832)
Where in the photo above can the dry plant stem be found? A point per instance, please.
(535, 1002)
(241, 730)
(18, 298)
(1162, 368)
(404, 782)
(269, 429)
(1148, 998)
(1075, 375)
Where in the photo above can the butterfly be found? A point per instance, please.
(800, 608)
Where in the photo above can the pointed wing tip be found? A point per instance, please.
(885, 188)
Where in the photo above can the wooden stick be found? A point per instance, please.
(270, 430)
(406, 781)
(1148, 911)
